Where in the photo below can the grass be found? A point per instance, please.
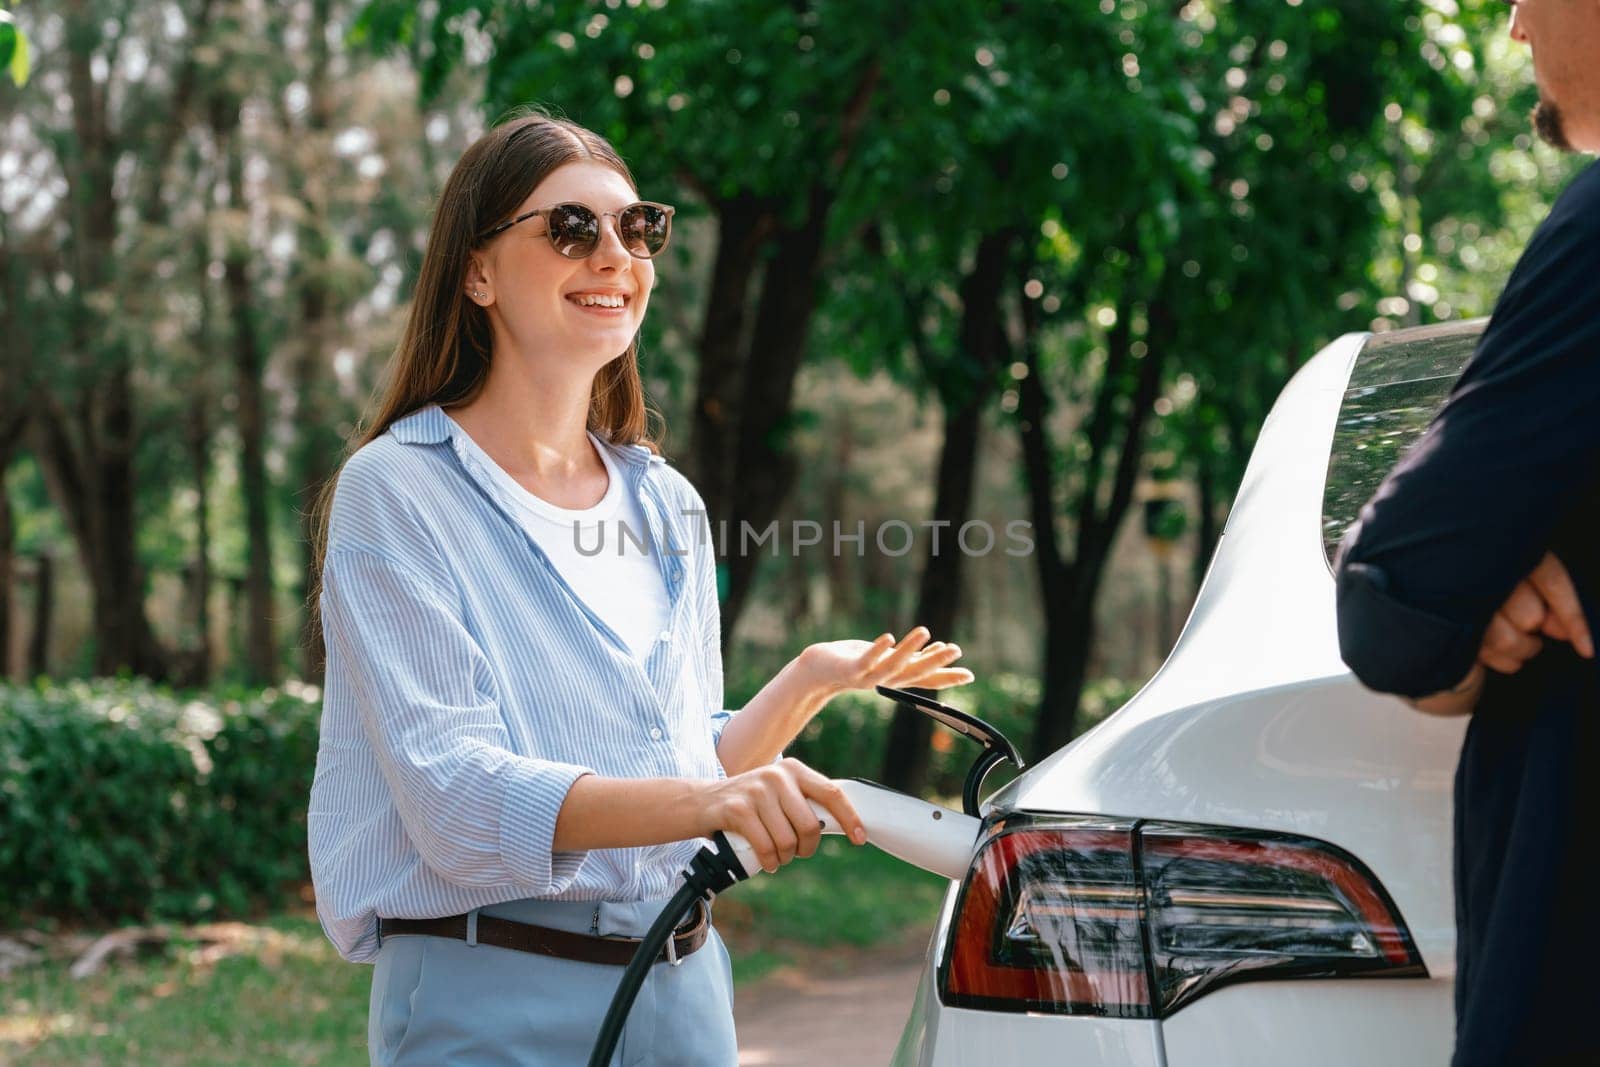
(275, 992)
(843, 898)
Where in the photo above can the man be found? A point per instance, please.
(1469, 585)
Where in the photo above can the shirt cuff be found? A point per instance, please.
(719, 722)
(1393, 647)
(528, 825)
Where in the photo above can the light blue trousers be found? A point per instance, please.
(438, 1001)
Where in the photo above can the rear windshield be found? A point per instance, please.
(1398, 384)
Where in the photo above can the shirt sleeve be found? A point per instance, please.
(1471, 509)
(477, 813)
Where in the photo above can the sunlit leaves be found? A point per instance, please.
(14, 50)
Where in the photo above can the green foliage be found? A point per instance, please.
(14, 50)
(848, 738)
(121, 800)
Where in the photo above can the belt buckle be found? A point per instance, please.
(672, 950)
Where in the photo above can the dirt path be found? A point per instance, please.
(839, 1011)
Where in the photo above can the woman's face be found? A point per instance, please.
(531, 291)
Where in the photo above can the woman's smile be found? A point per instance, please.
(603, 303)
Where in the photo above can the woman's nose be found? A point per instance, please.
(610, 249)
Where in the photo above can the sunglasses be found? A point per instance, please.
(574, 229)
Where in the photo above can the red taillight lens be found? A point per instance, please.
(1051, 920)
(1134, 921)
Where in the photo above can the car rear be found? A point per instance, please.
(1248, 863)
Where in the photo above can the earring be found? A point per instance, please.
(477, 294)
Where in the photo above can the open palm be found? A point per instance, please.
(835, 666)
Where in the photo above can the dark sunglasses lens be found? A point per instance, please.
(574, 229)
(644, 229)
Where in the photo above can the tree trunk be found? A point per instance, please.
(7, 573)
(1071, 589)
(764, 466)
(44, 593)
(1068, 640)
(14, 389)
(741, 224)
(317, 444)
(965, 385)
(744, 393)
(95, 485)
(250, 418)
(199, 442)
(85, 444)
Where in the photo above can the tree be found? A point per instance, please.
(754, 111)
(85, 426)
(974, 120)
(1212, 298)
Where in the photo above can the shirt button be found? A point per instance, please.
(666, 635)
(655, 733)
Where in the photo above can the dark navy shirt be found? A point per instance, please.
(1508, 469)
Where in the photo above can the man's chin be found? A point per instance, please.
(1546, 118)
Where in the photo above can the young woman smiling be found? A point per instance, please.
(523, 744)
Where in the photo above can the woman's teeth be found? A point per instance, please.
(590, 300)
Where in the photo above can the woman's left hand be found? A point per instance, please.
(831, 667)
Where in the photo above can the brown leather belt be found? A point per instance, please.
(563, 944)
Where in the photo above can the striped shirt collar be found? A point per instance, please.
(429, 425)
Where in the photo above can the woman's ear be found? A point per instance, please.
(479, 290)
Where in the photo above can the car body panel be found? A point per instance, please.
(1269, 1024)
(939, 1036)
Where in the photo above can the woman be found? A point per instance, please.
(522, 737)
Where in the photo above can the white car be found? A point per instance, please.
(1250, 862)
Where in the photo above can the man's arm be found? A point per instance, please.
(1470, 511)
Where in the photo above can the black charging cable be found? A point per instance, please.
(709, 873)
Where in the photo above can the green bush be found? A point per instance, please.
(122, 800)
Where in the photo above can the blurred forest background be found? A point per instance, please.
(962, 260)
(936, 263)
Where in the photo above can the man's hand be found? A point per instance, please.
(1544, 604)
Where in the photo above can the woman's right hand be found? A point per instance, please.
(767, 806)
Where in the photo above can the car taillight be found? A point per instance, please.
(1134, 920)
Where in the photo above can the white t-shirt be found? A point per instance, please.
(616, 573)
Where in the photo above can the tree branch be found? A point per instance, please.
(1119, 343)
(1033, 411)
(854, 118)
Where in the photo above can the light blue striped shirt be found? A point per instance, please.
(468, 687)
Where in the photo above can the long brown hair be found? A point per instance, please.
(443, 356)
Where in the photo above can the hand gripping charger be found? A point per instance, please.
(924, 835)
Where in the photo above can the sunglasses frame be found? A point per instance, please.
(668, 209)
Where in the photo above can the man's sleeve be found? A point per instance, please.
(1472, 507)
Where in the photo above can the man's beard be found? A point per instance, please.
(1547, 124)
